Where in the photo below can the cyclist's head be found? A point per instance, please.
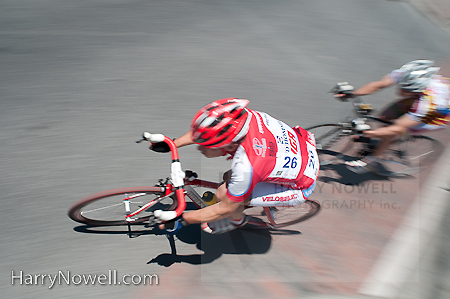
(220, 123)
(416, 75)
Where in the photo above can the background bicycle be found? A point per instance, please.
(138, 205)
(336, 142)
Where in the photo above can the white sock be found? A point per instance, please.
(237, 222)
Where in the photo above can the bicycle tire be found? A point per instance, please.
(288, 215)
(107, 209)
(411, 154)
(333, 142)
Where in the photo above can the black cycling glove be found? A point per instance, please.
(160, 147)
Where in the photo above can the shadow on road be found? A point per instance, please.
(240, 242)
(136, 231)
(339, 173)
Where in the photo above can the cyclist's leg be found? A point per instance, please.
(387, 134)
(392, 112)
(382, 146)
(238, 213)
(419, 127)
(234, 220)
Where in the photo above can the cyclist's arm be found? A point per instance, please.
(215, 212)
(184, 140)
(375, 86)
(162, 147)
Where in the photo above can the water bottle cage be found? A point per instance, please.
(364, 109)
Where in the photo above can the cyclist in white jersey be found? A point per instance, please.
(272, 163)
(425, 105)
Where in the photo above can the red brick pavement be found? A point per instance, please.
(440, 9)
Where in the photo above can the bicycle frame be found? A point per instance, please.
(130, 214)
(167, 192)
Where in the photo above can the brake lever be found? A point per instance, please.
(144, 137)
(140, 140)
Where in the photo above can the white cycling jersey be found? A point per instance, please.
(432, 108)
(279, 164)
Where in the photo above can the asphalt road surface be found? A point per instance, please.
(81, 80)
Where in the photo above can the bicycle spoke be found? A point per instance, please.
(108, 208)
(410, 155)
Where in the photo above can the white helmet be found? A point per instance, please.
(416, 75)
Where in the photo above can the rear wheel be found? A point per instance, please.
(284, 216)
(333, 142)
(109, 207)
(411, 154)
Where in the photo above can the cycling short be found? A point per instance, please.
(269, 194)
(397, 109)
(403, 107)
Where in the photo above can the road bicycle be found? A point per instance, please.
(167, 199)
(336, 142)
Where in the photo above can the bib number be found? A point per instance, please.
(312, 169)
(290, 162)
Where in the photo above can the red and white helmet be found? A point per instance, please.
(220, 123)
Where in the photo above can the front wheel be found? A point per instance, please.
(333, 142)
(110, 207)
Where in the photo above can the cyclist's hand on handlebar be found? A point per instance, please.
(160, 147)
(172, 226)
(342, 91)
(343, 96)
